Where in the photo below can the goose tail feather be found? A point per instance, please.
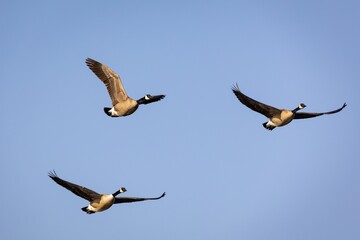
(268, 126)
(85, 209)
(106, 110)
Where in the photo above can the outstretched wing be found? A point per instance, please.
(111, 80)
(81, 191)
(301, 115)
(134, 199)
(256, 106)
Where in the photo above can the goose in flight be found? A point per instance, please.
(122, 104)
(277, 117)
(98, 202)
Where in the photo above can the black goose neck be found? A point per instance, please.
(296, 109)
(141, 100)
(116, 193)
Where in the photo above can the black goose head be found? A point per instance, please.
(149, 99)
(301, 106)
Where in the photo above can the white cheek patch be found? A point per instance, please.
(146, 97)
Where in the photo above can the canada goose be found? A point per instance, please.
(98, 202)
(122, 104)
(277, 117)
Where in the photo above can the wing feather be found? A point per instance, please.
(111, 80)
(256, 106)
(302, 115)
(80, 191)
(135, 199)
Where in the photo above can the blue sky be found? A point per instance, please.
(226, 177)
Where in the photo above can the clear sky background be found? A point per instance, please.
(226, 177)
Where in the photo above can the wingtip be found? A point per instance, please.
(91, 62)
(235, 87)
(87, 60)
(52, 174)
(162, 195)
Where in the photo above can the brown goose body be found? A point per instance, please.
(283, 118)
(125, 108)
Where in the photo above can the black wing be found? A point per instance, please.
(134, 199)
(301, 115)
(81, 191)
(259, 107)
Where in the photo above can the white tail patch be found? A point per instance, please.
(91, 208)
(113, 112)
(270, 123)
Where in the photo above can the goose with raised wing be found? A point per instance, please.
(277, 117)
(122, 104)
(98, 202)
